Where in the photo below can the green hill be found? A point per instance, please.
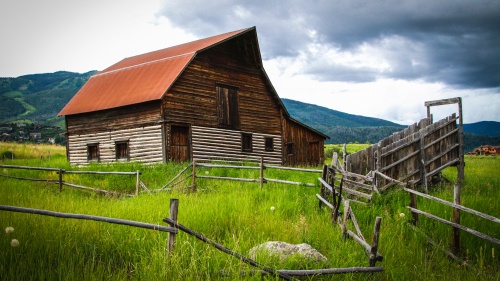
(38, 98)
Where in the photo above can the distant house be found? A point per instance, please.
(486, 150)
(36, 135)
(204, 100)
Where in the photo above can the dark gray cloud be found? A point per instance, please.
(450, 41)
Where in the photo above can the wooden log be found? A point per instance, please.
(177, 176)
(461, 227)
(317, 272)
(87, 217)
(290, 182)
(338, 200)
(463, 208)
(325, 201)
(226, 166)
(413, 203)
(293, 169)
(221, 248)
(96, 189)
(365, 245)
(355, 223)
(322, 186)
(30, 168)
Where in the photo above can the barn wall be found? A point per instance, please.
(193, 98)
(308, 146)
(145, 145)
(139, 124)
(213, 144)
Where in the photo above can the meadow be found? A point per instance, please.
(237, 215)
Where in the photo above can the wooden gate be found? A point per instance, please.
(180, 149)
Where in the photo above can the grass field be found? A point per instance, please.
(235, 214)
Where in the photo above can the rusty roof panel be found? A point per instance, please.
(129, 86)
(141, 78)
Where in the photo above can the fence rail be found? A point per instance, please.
(60, 181)
(244, 165)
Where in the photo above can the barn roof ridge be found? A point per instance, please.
(141, 64)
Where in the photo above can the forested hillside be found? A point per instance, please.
(38, 98)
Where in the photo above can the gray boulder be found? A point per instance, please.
(284, 251)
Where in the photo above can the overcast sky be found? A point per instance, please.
(380, 59)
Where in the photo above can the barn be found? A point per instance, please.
(209, 99)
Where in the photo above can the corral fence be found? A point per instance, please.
(172, 231)
(410, 157)
(61, 182)
(191, 173)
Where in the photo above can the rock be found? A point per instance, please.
(284, 250)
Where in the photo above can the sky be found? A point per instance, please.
(380, 59)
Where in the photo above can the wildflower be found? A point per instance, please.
(14, 243)
(206, 172)
(272, 208)
(402, 215)
(9, 229)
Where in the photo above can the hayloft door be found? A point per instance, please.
(180, 150)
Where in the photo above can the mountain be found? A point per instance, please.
(486, 128)
(38, 98)
(344, 128)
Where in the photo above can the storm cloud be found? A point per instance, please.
(450, 42)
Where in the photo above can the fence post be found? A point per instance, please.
(174, 207)
(60, 179)
(346, 215)
(193, 186)
(137, 181)
(322, 187)
(456, 219)
(374, 248)
(261, 172)
(413, 203)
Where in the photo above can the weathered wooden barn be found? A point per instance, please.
(204, 100)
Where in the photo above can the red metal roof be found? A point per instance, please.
(141, 78)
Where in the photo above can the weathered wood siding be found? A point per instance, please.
(307, 146)
(223, 144)
(145, 145)
(193, 98)
(139, 124)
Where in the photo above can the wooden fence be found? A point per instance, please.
(336, 186)
(61, 172)
(262, 167)
(175, 226)
(419, 152)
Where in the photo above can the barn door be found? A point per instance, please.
(180, 150)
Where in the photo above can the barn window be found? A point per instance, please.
(269, 144)
(122, 150)
(289, 148)
(246, 142)
(93, 152)
(227, 106)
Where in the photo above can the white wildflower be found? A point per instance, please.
(402, 215)
(9, 229)
(206, 172)
(14, 243)
(272, 208)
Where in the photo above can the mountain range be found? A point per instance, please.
(38, 98)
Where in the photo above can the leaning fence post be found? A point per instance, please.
(346, 215)
(374, 248)
(174, 206)
(137, 181)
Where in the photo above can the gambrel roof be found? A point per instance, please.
(141, 78)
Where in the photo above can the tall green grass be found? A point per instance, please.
(239, 216)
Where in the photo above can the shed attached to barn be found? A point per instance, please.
(208, 99)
